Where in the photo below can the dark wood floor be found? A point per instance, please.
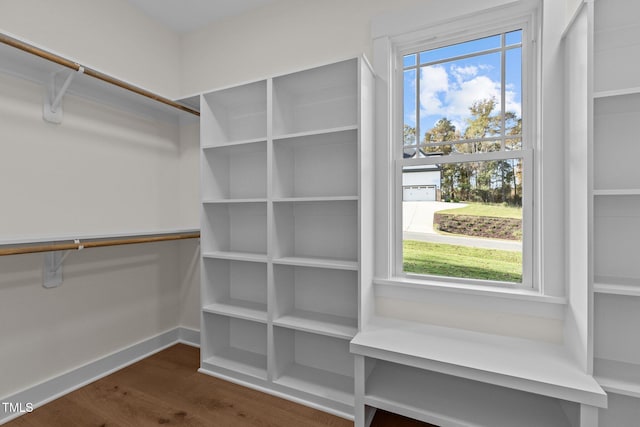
(166, 389)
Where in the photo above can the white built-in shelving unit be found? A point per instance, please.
(615, 226)
(282, 226)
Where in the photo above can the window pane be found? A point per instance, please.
(473, 46)
(465, 93)
(513, 144)
(409, 60)
(409, 107)
(464, 220)
(513, 92)
(514, 37)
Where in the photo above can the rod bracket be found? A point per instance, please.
(52, 270)
(52, 106)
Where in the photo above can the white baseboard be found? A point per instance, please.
(45, 392)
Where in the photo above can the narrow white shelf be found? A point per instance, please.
(315, 199)
(617, 92)
(325, 384)
(450, 401)
(520, 364)
(241, 361)
(617, 286)
(238, 256)
(338, 264)
(618, 377)
(317, 132)
(234, 143)
(617, 192)
(319, 323)
(230, 201)
(240, 309)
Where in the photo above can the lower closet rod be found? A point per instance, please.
(30, 249)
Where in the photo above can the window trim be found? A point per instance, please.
(490, 22)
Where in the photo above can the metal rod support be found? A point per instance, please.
(18, 44)
(56, 102)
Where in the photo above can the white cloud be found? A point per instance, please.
(433, 82)
(450, 91)
(463, 73)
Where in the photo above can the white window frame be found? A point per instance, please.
(389, 260)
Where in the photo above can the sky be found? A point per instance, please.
(449, 86)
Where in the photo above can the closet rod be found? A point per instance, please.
(30, 249)
(18, 44)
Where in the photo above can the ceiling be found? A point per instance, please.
(188, 15)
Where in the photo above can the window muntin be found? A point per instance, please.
(479, 93)
(462, 116)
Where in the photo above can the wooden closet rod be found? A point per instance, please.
(30, 249)
(93, 73)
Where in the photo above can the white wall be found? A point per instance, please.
(110, 36)
(100, 171)
(111, 298)
(280, 37)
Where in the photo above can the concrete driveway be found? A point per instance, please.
(417, 224)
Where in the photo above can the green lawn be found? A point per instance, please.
(486, 209)
(462, 261)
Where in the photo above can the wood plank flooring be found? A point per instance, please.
(166, 389)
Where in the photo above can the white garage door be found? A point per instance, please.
(419, 193)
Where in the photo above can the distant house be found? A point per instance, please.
(422, 182)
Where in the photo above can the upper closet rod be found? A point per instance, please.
(77, 244)
(93, 73)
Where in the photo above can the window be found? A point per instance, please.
(463, 159)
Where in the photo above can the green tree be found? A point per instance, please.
(409, 135)
(444, 130)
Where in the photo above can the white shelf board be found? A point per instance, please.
(235, 143)
(315, 199)
(337, 264)
(617, 192)
(315, 132)
(618, 377)
(617, 286)
(240, 309)
(319, 323)
(449, 401)
(242, 361)
(236, 256)
(521, 364)
(231, 201)
(617, 92)
(329, 385)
